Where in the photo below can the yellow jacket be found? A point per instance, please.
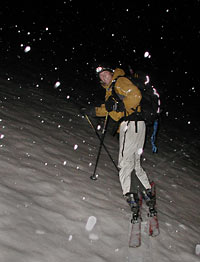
(124, 88)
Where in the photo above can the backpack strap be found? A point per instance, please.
(114, 94)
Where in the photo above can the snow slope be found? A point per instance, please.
(51, 211)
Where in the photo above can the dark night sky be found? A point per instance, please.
(67, 37)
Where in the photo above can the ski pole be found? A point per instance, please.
(94, 176)
(97, 134)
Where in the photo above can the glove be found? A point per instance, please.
(112, 105)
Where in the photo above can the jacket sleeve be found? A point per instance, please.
(101, 111)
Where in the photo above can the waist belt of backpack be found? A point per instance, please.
(133, 117)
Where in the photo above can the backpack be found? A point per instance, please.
(150, 102)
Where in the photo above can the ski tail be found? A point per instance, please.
(153, 226)
(135, 234)
(153, 219)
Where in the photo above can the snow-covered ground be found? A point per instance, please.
(51, 211)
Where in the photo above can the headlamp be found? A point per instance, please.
(99, 69)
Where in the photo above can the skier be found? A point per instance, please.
(132, 177)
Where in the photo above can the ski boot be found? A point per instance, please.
(150, 199)
(133, 201)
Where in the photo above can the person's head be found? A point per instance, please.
(106, 77)
(105, 74)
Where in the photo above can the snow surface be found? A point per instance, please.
(50, 210)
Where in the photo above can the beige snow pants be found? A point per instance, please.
(130, 150)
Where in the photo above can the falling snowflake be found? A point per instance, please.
(140, 151)
(98, 127)
(147, 55)
(92, 220)
(75, 147)
(27, 49)
(70, 238)
(1, 136)
(57, 84)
